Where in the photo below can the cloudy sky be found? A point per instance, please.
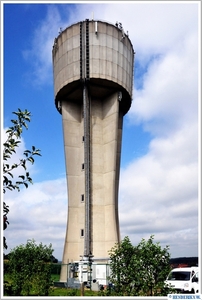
(158, 191)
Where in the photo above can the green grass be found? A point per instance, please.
(55, 277)
(71, 292)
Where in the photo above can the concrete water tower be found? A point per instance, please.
(93, 79)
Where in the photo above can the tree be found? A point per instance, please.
(30, 269)
(14, 134)
(122, 267)
(155, 266)
(139, 270)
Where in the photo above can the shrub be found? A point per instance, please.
(30, 269)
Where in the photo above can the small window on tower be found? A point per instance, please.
(82, 166)
(82, 232)
(83, 138)
(82, 198)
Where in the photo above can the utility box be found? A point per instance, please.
(94, 275)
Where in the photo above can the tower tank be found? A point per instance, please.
(93, 64)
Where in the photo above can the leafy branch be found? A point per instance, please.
(14, 135)
(9, 148)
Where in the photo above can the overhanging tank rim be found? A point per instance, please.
(79, 86)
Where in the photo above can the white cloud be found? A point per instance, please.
(39, 212)
(159, 192)
(40, 52)
(170, 93)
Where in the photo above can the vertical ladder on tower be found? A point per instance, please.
(87, 51)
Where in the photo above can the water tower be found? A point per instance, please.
(93, 80)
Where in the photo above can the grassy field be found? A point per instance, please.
(71, 292)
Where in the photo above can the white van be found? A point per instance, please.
(184, 280)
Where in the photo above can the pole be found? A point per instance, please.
(82, 289)
(86, 110)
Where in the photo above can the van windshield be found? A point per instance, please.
(181, 275)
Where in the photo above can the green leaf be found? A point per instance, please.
(10, 174)
(26, 185)
(31, 159)
(14, 166)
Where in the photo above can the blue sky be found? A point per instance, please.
(159, 189)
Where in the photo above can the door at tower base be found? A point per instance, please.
(105, 144)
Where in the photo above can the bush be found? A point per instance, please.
(6, 266)
(30, 269)
(139, 270)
